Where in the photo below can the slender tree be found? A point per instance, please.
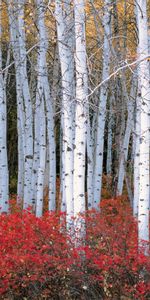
(65, 32)
(137, 130)
(25, 116)
(143, 73)
(13, 24)
(99, 148)
(126, 140)
(44, 109)
(110, 136)
(27, 104)
(4, 205)
(81, 109)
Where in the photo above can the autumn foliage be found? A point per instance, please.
(38, 260)
(112, 257)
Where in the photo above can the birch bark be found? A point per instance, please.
(44, 110)
(126, 140)
(90, 167)
(137, 151)
(64, 19)
(4, 205)
(27, 105)
(13, 24)
(81, 109)
(98, 170)
(110, 137)
(143, 73)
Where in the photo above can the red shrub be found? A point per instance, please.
(39, 261)
(34, 253)
(111, 251)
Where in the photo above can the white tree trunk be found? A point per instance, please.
(28, 151)
(65, 46)
(62, 171)
(44, 100)
(13, 23)
(125, 146)
(137, 151)
(98, 170)
(24, 105)
(143, 72)
(81, 112)
(36, 156)
(20, 181)
(80, 117)
(110, 138)
(4, 205)
(42, 147)
(90, 169)
(51, 146)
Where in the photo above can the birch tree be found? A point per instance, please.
(44, 100)
(40, 122)
(121, 94)
(13, 24)
(143, 73)
(4, 205)
(137, 131)
(81, 109)
(90, 166)
(126, 140)
(28, 151)
(65, 32)
(110, 136)
(98, 167)
(25, 116)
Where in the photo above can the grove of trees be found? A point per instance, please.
(75, 108)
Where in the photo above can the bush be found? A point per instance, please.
(113, 260)
(39, 261)
(35, 256)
